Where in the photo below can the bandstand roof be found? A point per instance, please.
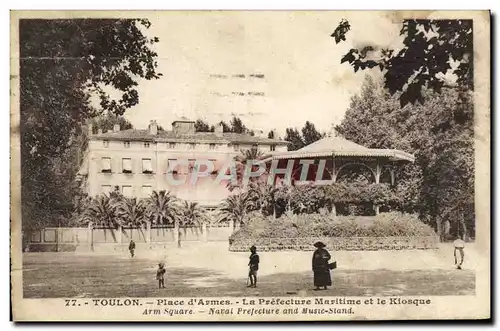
(336, 146)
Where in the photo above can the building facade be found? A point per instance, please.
(137, 162)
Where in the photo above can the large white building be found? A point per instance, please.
(136, 162)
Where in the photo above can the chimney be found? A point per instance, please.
(219, 130)
(99, 131)
(153, 128)
(89, 129)
(116, 128)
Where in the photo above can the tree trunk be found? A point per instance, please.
(177, 231)
(439, 227)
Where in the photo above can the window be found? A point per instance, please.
(171, 145)
(147, 191)
(146, 166)
(146, 145)
(127, 166)
(272, 148)
(106, 164)
(105, 143)
(127, 191)
(236, 147)
(191, 164)
(171, 165)
(106, 189)
(212, 146)
(191, 146)
(126, 144)
(214, 162)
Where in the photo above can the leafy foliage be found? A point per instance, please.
(431, 50)
(62, 64)
(236, 207)
(295, 139)
(201, 126)
(440, 184)
(317, 225)
(162, 208)
(306, 136)
(132, 212)
(102, 210)
(106, 123)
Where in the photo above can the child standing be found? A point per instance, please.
(160, 275)
(253, 266)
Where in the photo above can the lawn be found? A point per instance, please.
(54, 275)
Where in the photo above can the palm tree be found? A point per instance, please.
(235, 207)
(190, 213)
(265, 196)
(161, 208)
(241, 160)
(132, 212)
(103, 211)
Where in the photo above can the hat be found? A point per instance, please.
(319, 244)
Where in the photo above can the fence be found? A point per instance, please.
(96, 238)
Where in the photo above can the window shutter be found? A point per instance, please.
(147, 166)
(127, 165)
(106, 164)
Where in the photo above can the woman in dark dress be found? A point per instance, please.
(320, 266)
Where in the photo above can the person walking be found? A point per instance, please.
(160, 275)
(253, 266)
(459, 245)
(321, 267)
(131, 248)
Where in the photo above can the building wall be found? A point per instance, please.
(206, 190)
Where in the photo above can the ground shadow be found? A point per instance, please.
(106, 276)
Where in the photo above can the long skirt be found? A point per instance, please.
(322, 277)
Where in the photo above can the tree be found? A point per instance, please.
(441, 136)
(293, 136)
(310, 134)
(225, 127)
(162, 208)
(190, 213)
(270, 135)
(430, 50)
(132, 212)
(237, 125)
(236, 207)
(241, 160)
(102, 211)
(106, 123)
(62, 64)
(201, 126)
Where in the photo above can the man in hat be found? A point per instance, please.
(320, 267)
(160, 275)
(253, 266)
(131, 248)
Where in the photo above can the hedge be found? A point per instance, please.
(385, 231)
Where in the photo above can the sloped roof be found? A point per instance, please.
(336, 146)
(329, 143)
(198, 137)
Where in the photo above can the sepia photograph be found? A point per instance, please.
(250, 165)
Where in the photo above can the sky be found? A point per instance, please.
(304, 80)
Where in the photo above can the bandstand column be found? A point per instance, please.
(378, 172)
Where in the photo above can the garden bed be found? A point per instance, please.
(388, 231)
(336, 244)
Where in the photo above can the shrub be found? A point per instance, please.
(392, 224)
